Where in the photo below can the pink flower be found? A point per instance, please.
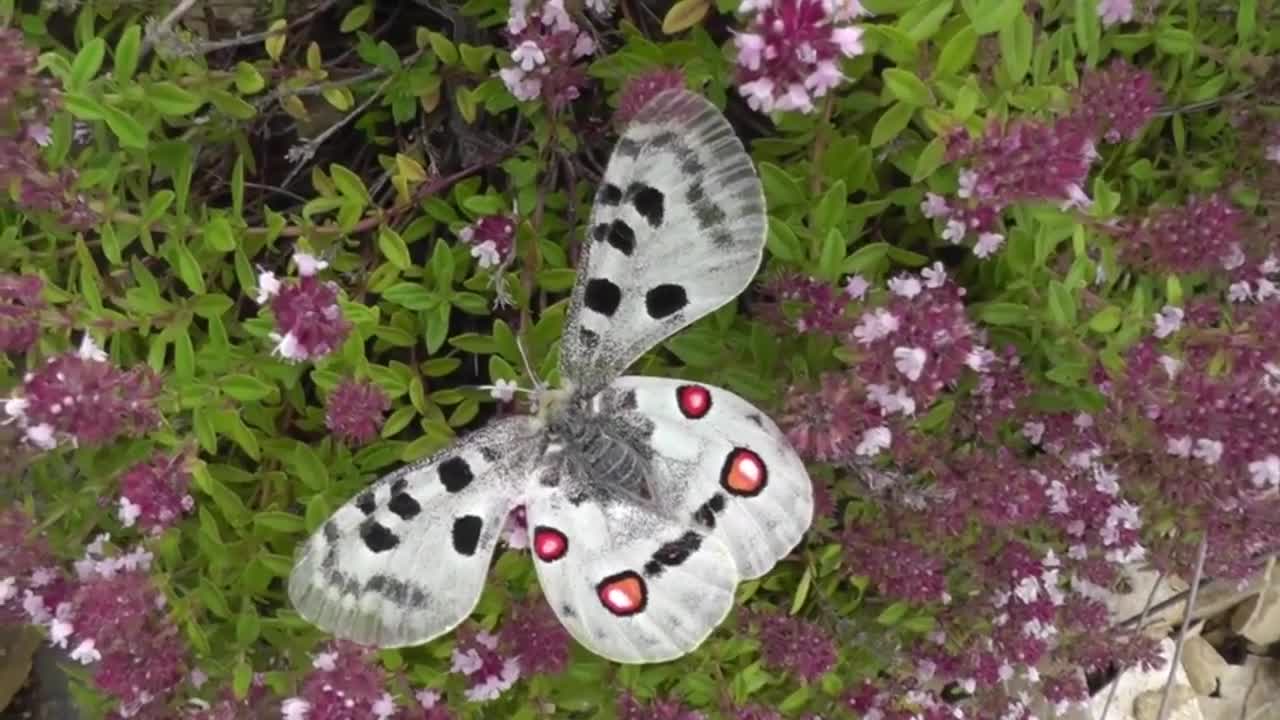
(547, 46)
(789, 54)
(345, 683)
(631, 708)
(492, 239)
(154, 494)
(309, 323)
(639, 90)
(87, 401)
(789, 643)
(355, 410)
(20, 305)
(534, 635)
(489, 672)
(1115, 11)
(1195, 237)
(1117, 101)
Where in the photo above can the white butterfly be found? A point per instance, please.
(648, 499)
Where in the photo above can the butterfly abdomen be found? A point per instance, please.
(608, 450)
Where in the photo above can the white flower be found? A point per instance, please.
(89, 350)
(1266, 290)
(503, 390)
(1265, 472)
(1271, 378)
(427, 698)
(385, 706)
(856, 287)
(325, 661)
(16, 408)
(59, 631)
(8, 589)
(1168, 321)
(308, 264)
(908, 286)
(1270, 265)
(910, 361)
(528, 55)
(849, 39)
(86, 653)
(1076, 198)
(129, 512)
(466, 662)
(1210, 451)
(42, 436)
(968, 180)
(40, 134)
(875, 325)
(935, 276)
(874, 440)
(294, 709)
(1240, 292)
(1234, 257)
(891, 402)
(287, 347)
(1273, 153)
(954, 232)
(979, 358)
(198, 678)
(759, 94)
(486, 254)
(1178, 447)
(934, 206)
(1033, 432)
(1171, 365)
(987, 245)
(268, 286)
(584, 46)
(599, 7)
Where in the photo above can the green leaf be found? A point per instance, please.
(1005, 313)
(1246, 19)
(86, 64)
(1062, 305)
(992, 15)
(1086, 26)
(783, 243)
(188, 268)
(779, 186)
(867, 258)
(957, 53)
(802, 590)
(1176, 41)
(169, 99)
(394, 249)
(930, 159)
(1106, 320)
(349, 184)
(1015, 47)
(279, 521)
(126, 128)
(127, 54)
(248, 627)
(833, 254)
(219, 235)
(905, 86)
(891, 123)
(684, 15)
(442, 265)
(444, 48)
(245, 388)
(411, 295)
(356, 18)
(248, 79)
(828, 214)
(893, 614)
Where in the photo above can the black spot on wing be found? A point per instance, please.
(664, 300)
(489, 453)
(365, 502)
(618, 234)
(627, 147)
(588, 338)
(648, 201)
(466, 534)
(398, 486)
(331, 531)
(403, 505)
(674, 553)
(455, 474)
(691, 165)
(609, 194)
(567, 611)
(706, 513)
(603, 296)
(664, 140)
(377, 537)
(722, 239)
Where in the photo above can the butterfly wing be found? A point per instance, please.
(720, 463)
(405, 560)
(677, 230)
(630, 585)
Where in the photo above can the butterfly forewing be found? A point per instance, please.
(677, 230)
(406, 559)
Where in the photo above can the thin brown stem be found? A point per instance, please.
(1163, 713)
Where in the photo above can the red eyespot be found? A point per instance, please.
(694, 401)
(549, 544)
(623, 594)
(744, 473)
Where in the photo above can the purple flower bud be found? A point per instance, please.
(20, 304)
(309, 322)
(1201, 236)
(631, 708)
(803, 648)
(492, 239)
(153, 495)
(639, 90)
(345, 683)
(537, 639)
(355, 410)
(546, 46)
(1118, 101)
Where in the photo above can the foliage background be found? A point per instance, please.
(183, 159)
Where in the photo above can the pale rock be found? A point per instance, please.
(1203, 665)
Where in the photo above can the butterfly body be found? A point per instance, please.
(648, 499)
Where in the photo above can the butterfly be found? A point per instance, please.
(648, 499)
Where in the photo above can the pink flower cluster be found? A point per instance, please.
(790, 53)
(345, 683)
(803, 648)
(309, 322)
(639, 90)
(632, 708)
(489, 672)
(355, 409)
(546, 45)
(79, 397)
(534, 636)
(1118, 101)
(20, 306)
(1202, 235)
(153, 495)
(28, 570)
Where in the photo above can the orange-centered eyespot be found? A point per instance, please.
(744, 473)
(623, 594)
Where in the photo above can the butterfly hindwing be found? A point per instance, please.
(722, 464)
(630, 585)
(677, 230)
(405, 560)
